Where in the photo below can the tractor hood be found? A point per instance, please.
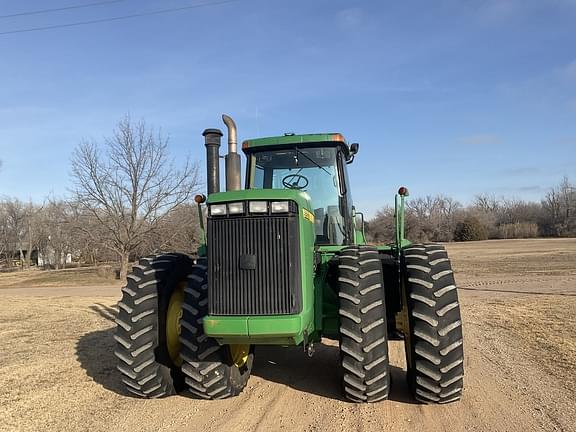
(266, 255)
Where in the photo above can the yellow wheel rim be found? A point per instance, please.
(173, 316)
(239, 354)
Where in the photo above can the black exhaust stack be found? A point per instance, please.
(233, 176)
(212, 138)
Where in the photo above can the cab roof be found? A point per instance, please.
(321, 139)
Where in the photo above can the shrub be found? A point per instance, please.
(470, 229)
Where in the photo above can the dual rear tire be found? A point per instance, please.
(434, 343)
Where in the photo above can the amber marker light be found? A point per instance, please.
(200, 198)
(338, 137)
(403, 191)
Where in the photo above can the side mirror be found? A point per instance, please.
(354, 148)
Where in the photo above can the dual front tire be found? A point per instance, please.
(161, 346)
(433, 325)
(363, 328)
(213, 371)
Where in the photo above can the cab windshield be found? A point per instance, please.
(312, 170)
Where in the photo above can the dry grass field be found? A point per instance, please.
(72, 277)
(57, 370)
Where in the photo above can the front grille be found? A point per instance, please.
(254, 265)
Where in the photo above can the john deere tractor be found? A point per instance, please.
(285, 262)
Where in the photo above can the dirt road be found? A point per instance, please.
(57, 370)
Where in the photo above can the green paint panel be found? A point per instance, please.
(253, 326)
(216, 326)
(325, 138)
(330, 249)
(359, 237)
(279, 326)
(286, 341)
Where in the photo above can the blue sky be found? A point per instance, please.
(459, 97)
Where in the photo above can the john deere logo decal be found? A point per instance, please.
(308, 215)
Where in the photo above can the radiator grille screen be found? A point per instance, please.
(254, 266)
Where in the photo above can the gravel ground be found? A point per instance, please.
(57, 370)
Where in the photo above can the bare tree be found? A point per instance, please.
(16, 226)
(54, 233)
(86, 233)
(486, 203)
(130, 185)
(433, 217)
(4, 233)
(380, 229)
(180, 231)
(20, 230)
(560, 205)
(429, 218)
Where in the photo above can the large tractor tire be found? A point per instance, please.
(148, 319)
(212, 371)
(434, 350)
(363, 329)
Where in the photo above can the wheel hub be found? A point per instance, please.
(239, 354)
(173, 316)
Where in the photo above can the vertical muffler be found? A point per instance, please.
(233, 176)
(212, 138)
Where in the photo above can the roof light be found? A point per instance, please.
(338, 137)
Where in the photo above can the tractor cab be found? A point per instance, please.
(314, 164)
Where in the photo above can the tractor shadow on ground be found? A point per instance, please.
(104, 311)
(288, 366)
(318, 375)
(95, 353)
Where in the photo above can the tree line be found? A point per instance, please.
(441, 218)
(59, 231)
(128, 199)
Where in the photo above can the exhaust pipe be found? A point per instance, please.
(233, 176)
(212, 138)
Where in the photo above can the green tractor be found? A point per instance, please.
(285, 262)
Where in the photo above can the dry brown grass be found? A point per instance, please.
(514, 257)
(540, 328)
(57, 367)
(85, 276)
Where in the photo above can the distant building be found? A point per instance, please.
(50, 258)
